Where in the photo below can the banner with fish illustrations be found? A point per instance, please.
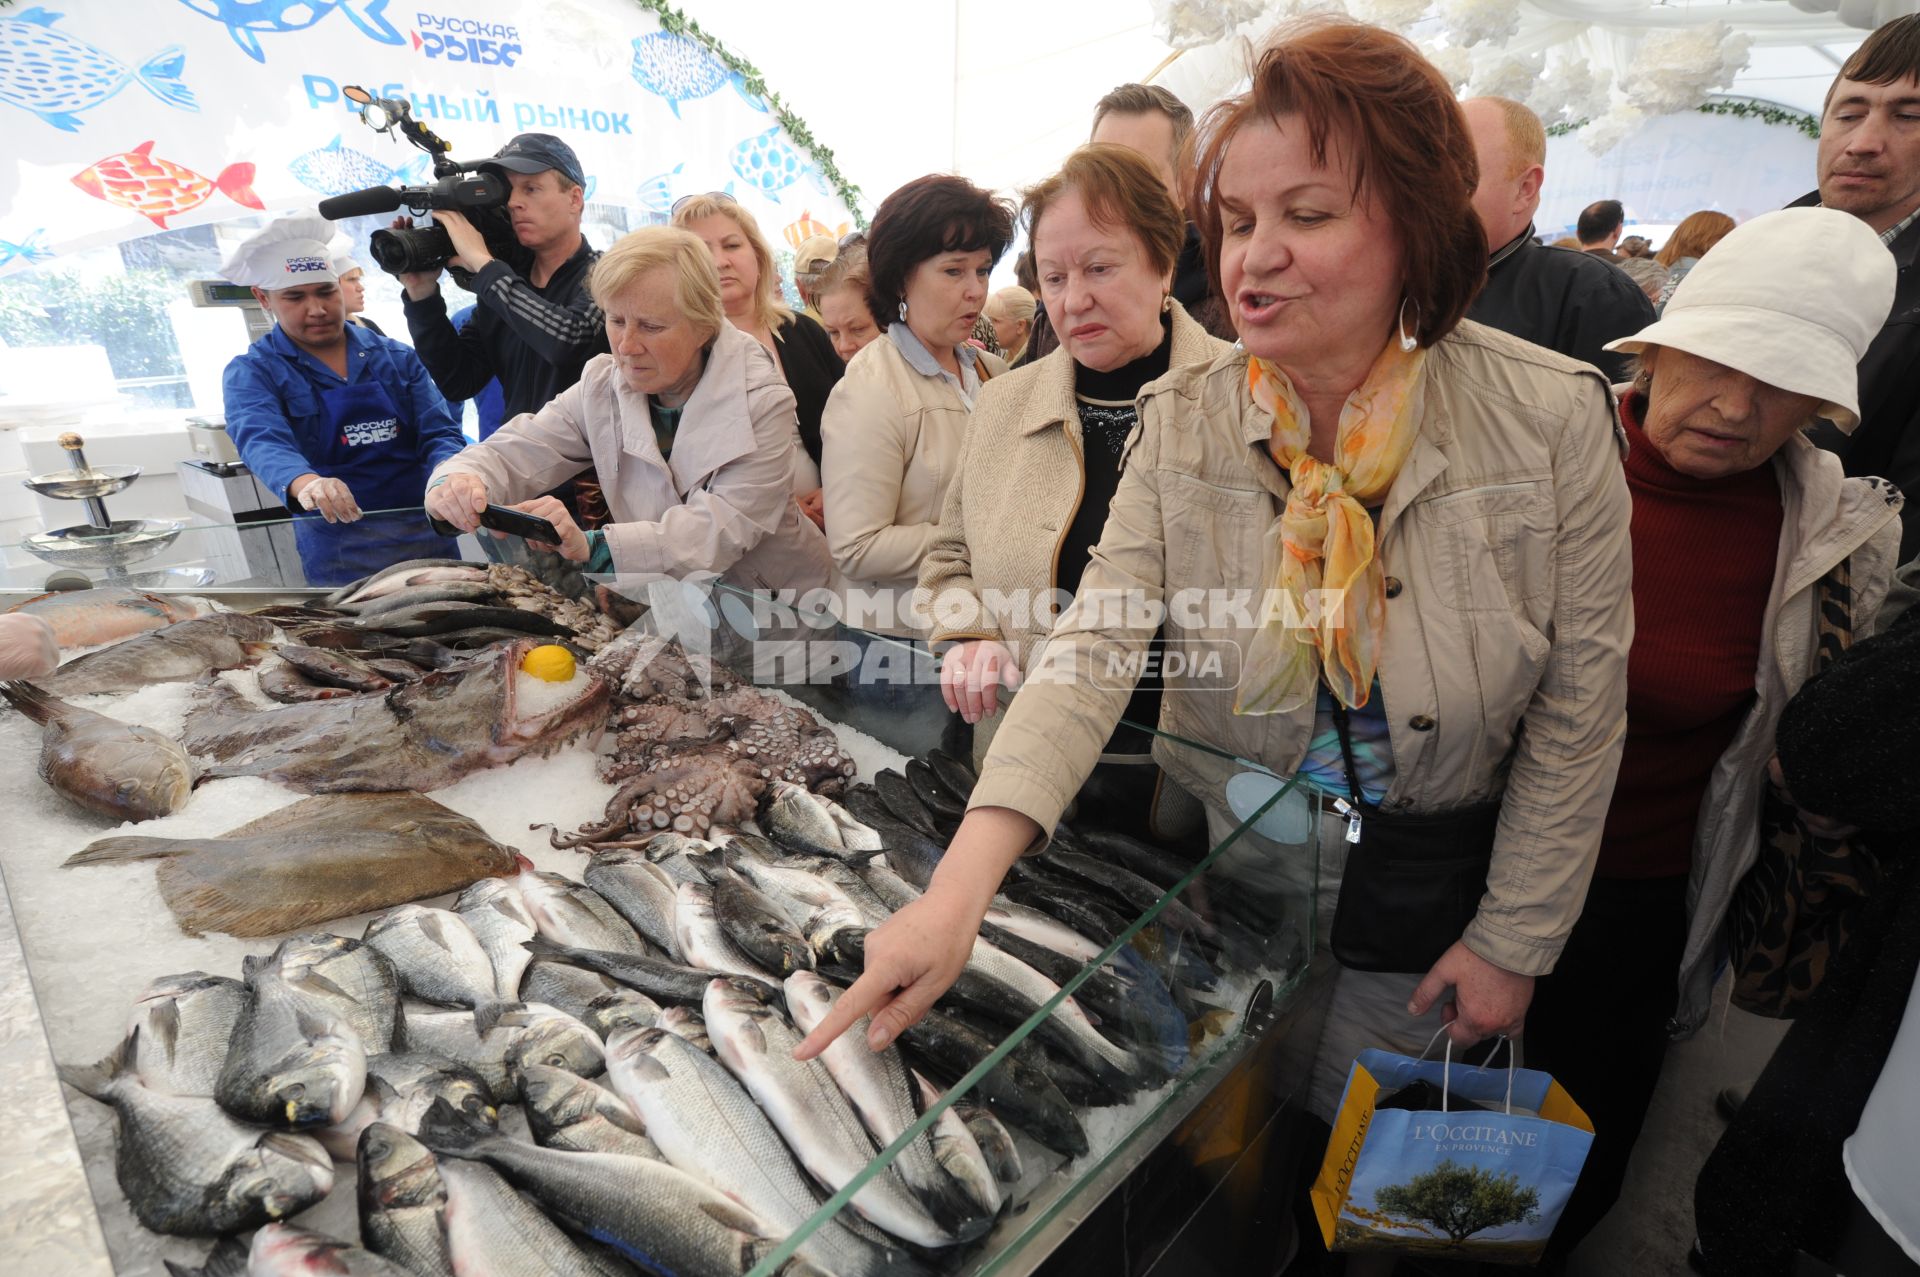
(204, 110)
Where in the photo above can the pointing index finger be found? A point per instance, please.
(862, 996)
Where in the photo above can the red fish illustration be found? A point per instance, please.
(158, 189)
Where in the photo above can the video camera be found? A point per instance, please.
(478, 189)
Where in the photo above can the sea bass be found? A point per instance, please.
(421, 737)
(179, 653)
(119, 770)
(88, 618)
(191, 1170)
(327, 857)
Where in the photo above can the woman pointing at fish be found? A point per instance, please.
(1463, 493)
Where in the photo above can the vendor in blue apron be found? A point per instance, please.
(334, 419)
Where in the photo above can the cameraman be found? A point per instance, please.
(533, 331)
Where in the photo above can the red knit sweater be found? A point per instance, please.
(1703, 565)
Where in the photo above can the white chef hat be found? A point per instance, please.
(340, 249)
(285, 253)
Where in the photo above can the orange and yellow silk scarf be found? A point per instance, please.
(1329, 587)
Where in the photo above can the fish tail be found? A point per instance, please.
(126, 850)
(488, 1014)
(160, 76)
(228, 1259)
(35, 703)
(96, 1080)
(443, 1130)
(236, 183)
(541, 947)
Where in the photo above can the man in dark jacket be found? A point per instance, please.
(1869, 165)
(1559, 298)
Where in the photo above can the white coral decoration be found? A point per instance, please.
(1193, 24)
(1570, 93)
(1502, 75)
(1676, 70)
(1471, 22)
(1453, 62)
(1394, 15)
(1612, 128)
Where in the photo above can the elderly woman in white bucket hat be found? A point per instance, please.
(1746, 542)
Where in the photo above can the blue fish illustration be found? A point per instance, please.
(244, 18)
(656, 193)
(55, 75)
(593, 184)
(28, 250)
(769, 163)
(334, 169)
(680, 69)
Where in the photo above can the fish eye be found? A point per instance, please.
(557, 1060)
(294, 1091)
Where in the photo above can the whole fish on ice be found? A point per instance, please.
(179, 653)
(107, 614)
(422, 736)
(56, 75)
(158, 189)
(120, 770)
(322, 858)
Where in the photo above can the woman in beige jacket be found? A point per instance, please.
(1042, 457)
(687, 422)
(892, 430)
(1396, 517)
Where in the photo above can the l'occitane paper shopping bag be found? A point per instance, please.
(1484, 1185)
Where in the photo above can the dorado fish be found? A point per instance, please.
(706, 1124)
(499, 919)
(401, 1087)
(179, 653)
(700, 938)
(322, 858)
(876, 1083)
(191, 1170)
(88, 618)
(184, 1023)
(758, 928)
(294, 1060)
(528, 1034)
(422, 736)
(116, 769)
(651, 1213)
(569, 913)
(574, 1115)
(402, 1201)
(439, 959)
(640, 890)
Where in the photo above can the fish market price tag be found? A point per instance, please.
(1289, 821)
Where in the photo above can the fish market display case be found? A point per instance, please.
(1142, 1173)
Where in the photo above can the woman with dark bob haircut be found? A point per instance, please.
(892, 429)
(1434, 521)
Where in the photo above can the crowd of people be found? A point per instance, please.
(1601, 522)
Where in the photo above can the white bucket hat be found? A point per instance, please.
(1791, 298)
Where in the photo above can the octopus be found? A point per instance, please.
(694, 747)
(689, 797)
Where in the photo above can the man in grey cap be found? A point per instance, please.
(532, 331)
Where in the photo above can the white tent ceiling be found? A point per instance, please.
(999, 90)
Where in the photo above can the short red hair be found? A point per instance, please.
(1397, 121)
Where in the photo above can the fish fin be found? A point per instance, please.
(314, 980)
(202, 907)
(371, 22)
(96, 1080)
(145, 149)
(673, 104)
(158, 219)
(488, 1014)
(166, 1026)
(443, 1130)
(120, 851)
(65, 121)
(160, 76)
(541, 947)
(312, 1026)
(40, 17)
(36, 703)
(236, 181)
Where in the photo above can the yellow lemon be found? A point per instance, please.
(550, 662)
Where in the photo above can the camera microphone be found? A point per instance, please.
(375, 199)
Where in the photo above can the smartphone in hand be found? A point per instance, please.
(504, 519)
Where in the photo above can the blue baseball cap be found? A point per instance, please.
(538, 152)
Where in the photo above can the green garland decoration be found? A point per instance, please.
(1741, 108)
(672, 19)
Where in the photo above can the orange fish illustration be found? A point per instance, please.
(159, 189)
(805, 227)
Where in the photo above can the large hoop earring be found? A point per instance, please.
(1408, 342)
(903, 310)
